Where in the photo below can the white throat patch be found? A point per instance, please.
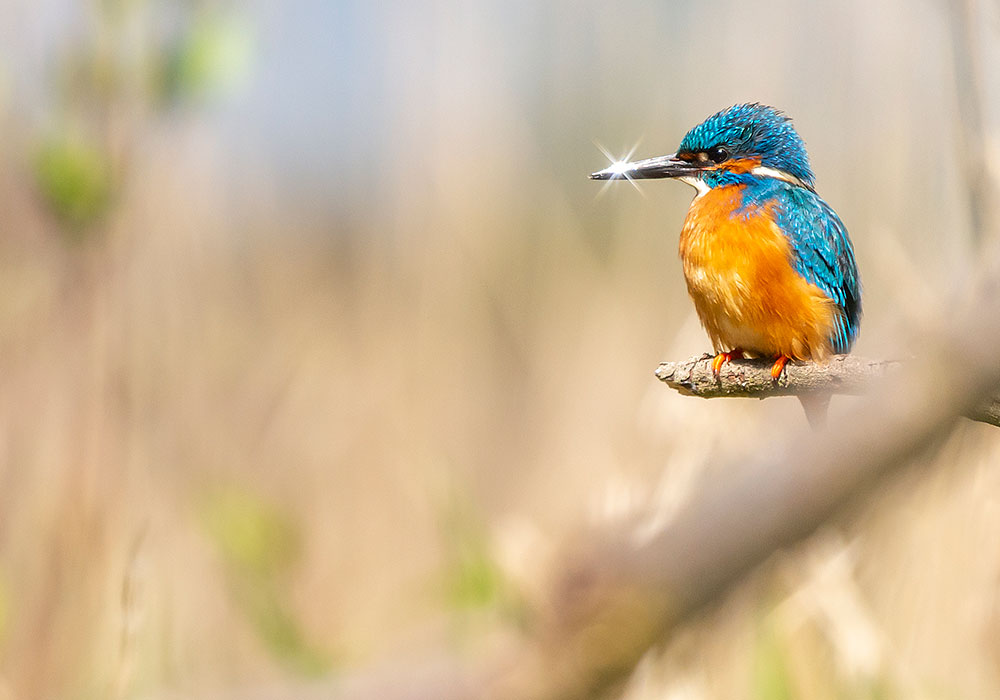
(697, 183)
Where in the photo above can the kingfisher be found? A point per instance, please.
(769, 264)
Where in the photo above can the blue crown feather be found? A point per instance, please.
(754, 131)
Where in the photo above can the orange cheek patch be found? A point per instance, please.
(738, 165)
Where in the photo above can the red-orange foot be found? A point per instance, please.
(778, 367)
(724, 357)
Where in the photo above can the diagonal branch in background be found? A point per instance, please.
(618, 589)
(618, 594)
(842, 374)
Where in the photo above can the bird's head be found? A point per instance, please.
(745, 140)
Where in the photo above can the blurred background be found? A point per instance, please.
(315, 338)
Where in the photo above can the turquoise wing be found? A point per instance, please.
(823, 254)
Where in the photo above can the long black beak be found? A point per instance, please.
(661, 166)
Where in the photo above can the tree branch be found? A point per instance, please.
(843, 374)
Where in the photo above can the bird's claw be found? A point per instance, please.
(724, 357)
(778, 367)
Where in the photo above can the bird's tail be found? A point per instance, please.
(816, 407)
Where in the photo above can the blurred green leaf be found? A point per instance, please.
(279, 629)
(473, 580)
(252, 535)
(211, 55)
(771, 678)
(74, 179)
(261, 544)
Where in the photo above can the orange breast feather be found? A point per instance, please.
(748, 296)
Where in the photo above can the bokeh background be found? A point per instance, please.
(315, 339)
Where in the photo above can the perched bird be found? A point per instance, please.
(768, 263)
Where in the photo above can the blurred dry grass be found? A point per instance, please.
(263, 419)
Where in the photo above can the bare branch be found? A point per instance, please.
(843, 374)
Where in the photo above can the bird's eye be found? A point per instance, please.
(718, 154)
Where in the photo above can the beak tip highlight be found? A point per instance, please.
(615, 170)
(648, 169)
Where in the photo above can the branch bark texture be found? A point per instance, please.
(842, 374)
